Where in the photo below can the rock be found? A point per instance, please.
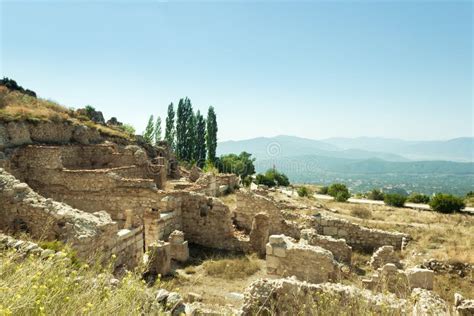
(47, 253)
(193, 297)
(427, 303)
(464, 307)
(420, 278)
(161, 296)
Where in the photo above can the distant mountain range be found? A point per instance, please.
(458, 149)
(426, 166)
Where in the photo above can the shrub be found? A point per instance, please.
(323, 190)
(304, 192)
(272, 178)
(418, 198)
(375, 195)
(241, 165)
(247, 181)
(446, 203)
(394, 199)
(361, 212)
(339, 191)
(127, 128)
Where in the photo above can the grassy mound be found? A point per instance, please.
(17, 106)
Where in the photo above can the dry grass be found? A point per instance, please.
(16, 106)
(232, 268)
(361, 212)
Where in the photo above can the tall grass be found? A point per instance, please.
(35, 286)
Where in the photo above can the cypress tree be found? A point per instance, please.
(190, 127)
(200, 147)
(149, 130)
(158, 130)
(211, 138)
(170, 131)
(181, 130)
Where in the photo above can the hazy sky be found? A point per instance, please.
(313, 69)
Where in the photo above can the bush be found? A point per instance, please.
(241, 165)
(446, 203)
(127, 128)
(304, 192)
(394, 199)
(272, 178)
(361, 212)
(323, 190)
(247, 181)
(375, 195)
(418, 198)
(339, 191)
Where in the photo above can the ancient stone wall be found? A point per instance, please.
(129, 247)
(341, 251)
(308, 263)
(249, 204)
(24, 210)
(358, 237)
(208, 222)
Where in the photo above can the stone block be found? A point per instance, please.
(331, 231)
(279, 252)
(420, 278)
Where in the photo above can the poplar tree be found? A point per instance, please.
(190, 127)
(158, 130)
(170, 131)
(200, 147)
(149, 131)
(211, 138)
(181, 130)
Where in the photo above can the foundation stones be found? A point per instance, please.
(341, 251)
(307, 263)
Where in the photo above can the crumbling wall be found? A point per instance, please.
(208, 222)
(292, 297)
(24, 210)
(358, 237)
(308, 263)
(249, 204)
(161, 222)
(341, 251)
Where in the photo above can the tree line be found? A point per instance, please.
(192, 137)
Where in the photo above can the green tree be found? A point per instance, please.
(272, 178)
(211, 139)
(200, 143)
(339, 192)
(157, 130)
(149, 130)
(181, 129)
(242, 165)
(190, 131)
(170, 131)
(395, 199)
(446, 203)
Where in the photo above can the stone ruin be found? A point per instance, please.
(309, 263)
(109, 196)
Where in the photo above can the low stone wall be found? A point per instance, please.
(358, 237)
(160, 223)
(308, 263)
(292, 297)
(129, 247)
(341, 251)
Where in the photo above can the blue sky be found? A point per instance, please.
(310, 69)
